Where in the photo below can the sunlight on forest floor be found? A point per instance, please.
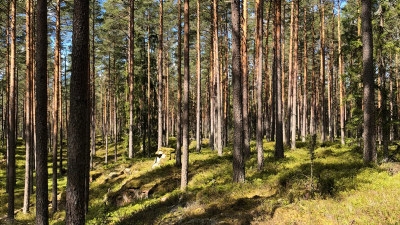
(341, 190)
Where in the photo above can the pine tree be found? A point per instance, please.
(160, 77)
(28, 106)
(179, 94)
(259, 73)
(42, 214)
(131, 68)
(198, 75)
(78, 132)
(369, 135)
(11, 137)
(279, 153)
(238, 156)
(185, 99)
(55, 116)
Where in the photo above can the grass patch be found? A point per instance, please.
(342, 190)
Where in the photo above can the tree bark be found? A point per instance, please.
(322, 70)
(305, 88)
(341, 81)
(288, 115)
(179, 110)
(28, 106)
(198, 75)
(42, 214)
(211, 91)
(331, 86)
(369, 134)
(160, 77)
(245, 75)
(384, 113)
(149, 92)
(78, 132)
(238, 155)
(259, 74)
(217, 76)
(279, 152)
(56, 83)
(93, 89)
(185, 99)
(131, 73)
(269, 103)
(293, 120)
(11, 137)
(314, 87)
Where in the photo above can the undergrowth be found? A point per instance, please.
(331, 185)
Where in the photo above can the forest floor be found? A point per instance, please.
(340, 189)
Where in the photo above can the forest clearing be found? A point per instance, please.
(130, 191)
(199, 112)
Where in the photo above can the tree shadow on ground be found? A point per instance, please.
(332, 171)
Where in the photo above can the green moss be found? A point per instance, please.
(341, 190)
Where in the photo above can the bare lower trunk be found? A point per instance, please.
(198, 74)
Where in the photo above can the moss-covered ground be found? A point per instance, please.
(340, 189)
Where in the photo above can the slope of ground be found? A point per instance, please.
(336, 188)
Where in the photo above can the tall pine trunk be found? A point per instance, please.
(185, 99)
(78, 132)
(149, 93)
(217, 82)
(322, 71)
(11, 138)
(269, 106)
(160, 77)
(198, 76)
(93, 89)
(294, 75)
(238, 155)
(28, 107)
(259, 74)
(288, 115)
(56, 86)
(245, 75)
(131, 54)
(179, 105)
(369, 134)
(42, 214)
(279, 152)
(305, 88)
(342, 103)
